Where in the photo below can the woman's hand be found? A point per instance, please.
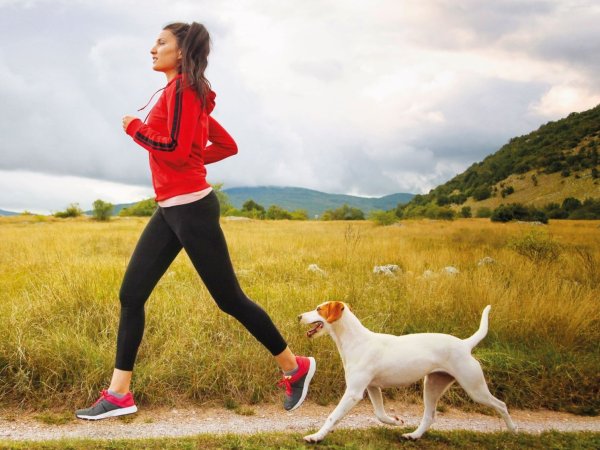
(126, 121)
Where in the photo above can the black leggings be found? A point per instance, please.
(194, 227)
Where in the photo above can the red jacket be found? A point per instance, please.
(175, 136)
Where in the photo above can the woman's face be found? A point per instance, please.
(165, 53)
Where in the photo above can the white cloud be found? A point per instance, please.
(562, 99)
(354, 96)
(55, 193)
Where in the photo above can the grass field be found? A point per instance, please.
(60, 278)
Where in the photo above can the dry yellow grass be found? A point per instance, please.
(59, 305)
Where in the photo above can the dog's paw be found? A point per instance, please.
(396, 421)
(313, 438)
(411, 436)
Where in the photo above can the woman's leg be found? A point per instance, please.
(155, 251)
(197, 227)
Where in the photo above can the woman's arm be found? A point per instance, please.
(183, 113)
(222, 144)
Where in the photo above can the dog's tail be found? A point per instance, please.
(483, 329)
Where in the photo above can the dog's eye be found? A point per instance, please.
(318, 309)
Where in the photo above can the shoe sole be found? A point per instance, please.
(311, 371)
(113, 413)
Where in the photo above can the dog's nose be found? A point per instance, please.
(300, 317)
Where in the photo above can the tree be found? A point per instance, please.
(102, 210)
(252, 209)
(277, 213)
(224, 202)
(466, 212)
(482, 192)
(143, 208)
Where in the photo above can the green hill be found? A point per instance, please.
(556, 161)
(315, 202)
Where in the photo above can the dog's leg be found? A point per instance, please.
(377, 400)
(353, 395)
(471, 378)
(434, 386)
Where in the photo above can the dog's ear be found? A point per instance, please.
(334, 311)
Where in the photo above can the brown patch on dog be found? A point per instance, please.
(331, 311)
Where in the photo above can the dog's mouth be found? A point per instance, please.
(317, 326)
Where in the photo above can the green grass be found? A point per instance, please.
(59, 284)
(369, 439)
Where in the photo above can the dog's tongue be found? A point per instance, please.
(313, 330)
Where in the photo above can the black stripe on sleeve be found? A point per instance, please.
(172, 145)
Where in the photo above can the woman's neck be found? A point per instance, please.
(171, 74)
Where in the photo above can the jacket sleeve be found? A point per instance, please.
(222, 144)
(183, 113)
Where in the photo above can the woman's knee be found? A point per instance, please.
(130, 298)
(234, 305)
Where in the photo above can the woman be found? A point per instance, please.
(178, 128)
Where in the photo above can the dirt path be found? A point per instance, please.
(149, 423)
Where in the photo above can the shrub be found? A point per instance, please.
(383, 217)
(140, 209)
(73, 210)
(344, 212)
(299, 214)
(571, 204)
(589, 210)
(102, 210)
(458, 199)
(507, 191)
(534, 179)
(444, 214)
(536, 245)
(466, 212)
(517, 211)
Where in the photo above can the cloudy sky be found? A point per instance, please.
(360, 97)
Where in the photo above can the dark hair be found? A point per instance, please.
(194, 41)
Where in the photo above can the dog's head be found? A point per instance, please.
(323, 317)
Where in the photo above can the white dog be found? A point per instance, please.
(373, 361)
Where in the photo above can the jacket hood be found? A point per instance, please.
(210, 97)
(210, 101)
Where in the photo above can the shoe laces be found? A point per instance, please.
(103, 394)
(285, 381)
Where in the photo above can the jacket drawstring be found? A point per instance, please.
(144, 107)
